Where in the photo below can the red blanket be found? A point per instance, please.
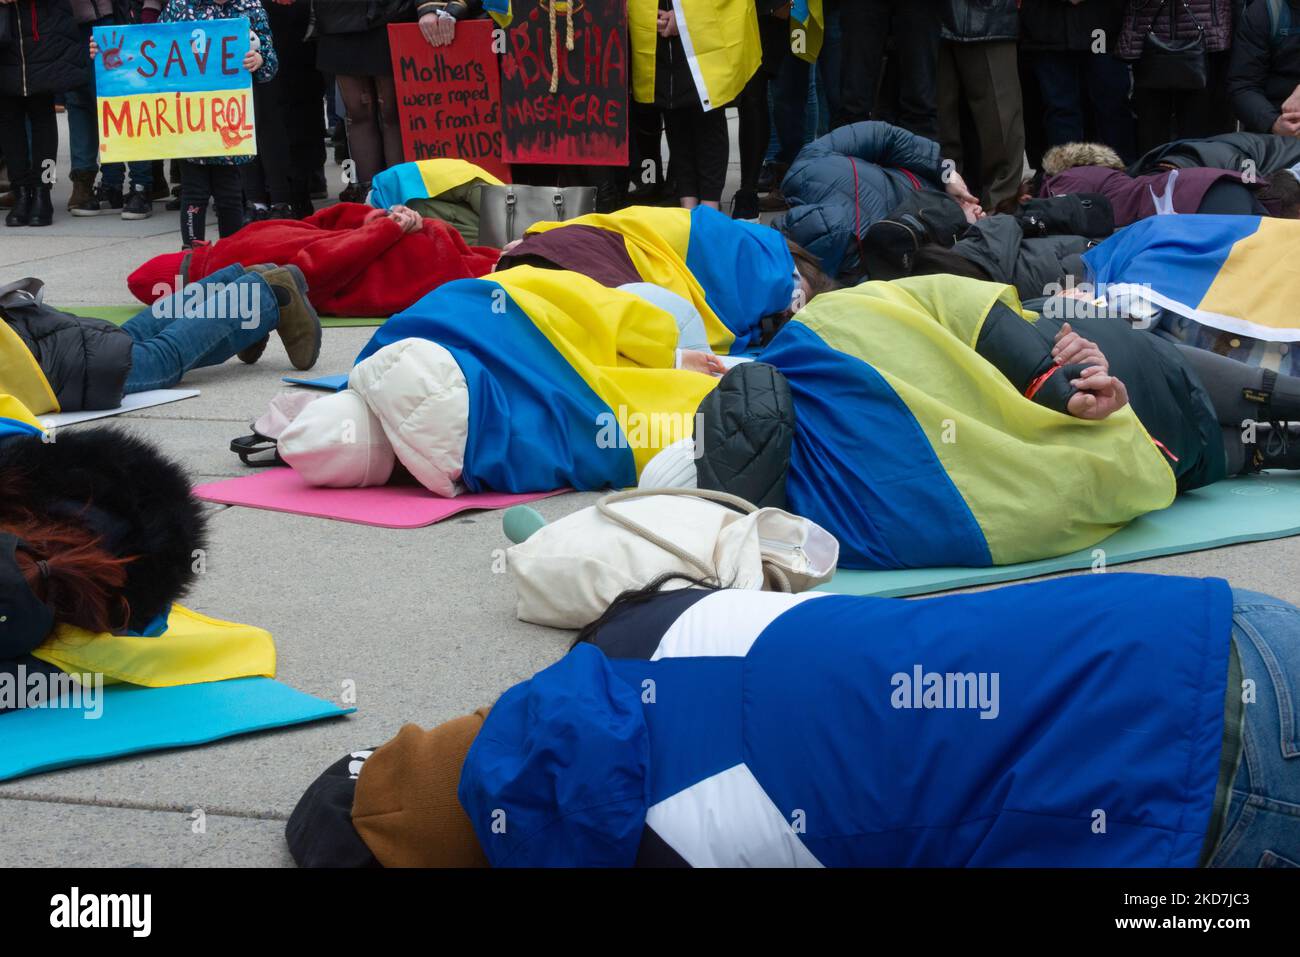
(353, 267)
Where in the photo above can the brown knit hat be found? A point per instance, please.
(405, 807)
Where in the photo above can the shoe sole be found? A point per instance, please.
(85, 212)
(138, 215)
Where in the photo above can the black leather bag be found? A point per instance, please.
(1178, 63)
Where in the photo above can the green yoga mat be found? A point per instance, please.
(1249, 508)
(120, 314)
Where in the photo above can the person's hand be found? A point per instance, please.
(408, 219)
(667, 26)
(695, 361)
(94, 47)
(1292, 103)
(956, 187)
(1099, 395)
(1072, 349)
(253, 61)
(1288, 124)
(437, 30)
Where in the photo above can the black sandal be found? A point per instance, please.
(249, 446)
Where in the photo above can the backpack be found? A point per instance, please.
(925, 216)
(1077, 214)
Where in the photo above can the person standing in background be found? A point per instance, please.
(1167, 115)
(1264, 68)
(978, 66)
(866, 26)
(1071, 46)
(46, 55)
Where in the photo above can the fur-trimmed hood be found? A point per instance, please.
(1069, 155)
(124, 489)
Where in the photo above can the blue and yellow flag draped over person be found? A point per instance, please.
(424, 179)
(734, 273)
(571, 383)
(915, 451)
(1235, 273)
(807, 29)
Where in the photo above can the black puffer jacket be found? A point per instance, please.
(1214, 16)
(126, 492)
(746, 427)
(974, 21)
(357, 16)
(47, 53)
(1267, 152)
(86, 361)
(1265, 65)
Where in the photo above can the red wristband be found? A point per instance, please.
(1038, 383)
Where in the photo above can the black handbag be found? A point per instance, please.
(1178, 63)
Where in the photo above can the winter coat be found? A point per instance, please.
(998, 245)
(355, 265)
(357, 16)
(1214, 16)
(744, 430)
(47, 52)
(1061, 26)
(84, 362)
(125, 491)
(1265, 65)
(1267, 153)
(834, 711)
(978, 21)
(842, 182)
(1137, 197)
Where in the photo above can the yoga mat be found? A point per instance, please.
(1248, 508)
(330, 383)
(130, 403)
(120, 314)
(135, 719)
(387, 506)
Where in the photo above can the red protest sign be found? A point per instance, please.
(449, 97)
(584, 122)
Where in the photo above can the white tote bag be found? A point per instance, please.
(569, 572)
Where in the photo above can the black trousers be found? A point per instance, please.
(1167, 115)
(865, 28)
(698, 148)
(201, 182)
(27, 156)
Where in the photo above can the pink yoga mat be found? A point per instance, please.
(387, 506)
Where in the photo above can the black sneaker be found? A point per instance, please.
(138, 204)
(744, 206)
(111, 197)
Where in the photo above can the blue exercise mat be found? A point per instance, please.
(1249, 508)
(135, 719)
(329, 383)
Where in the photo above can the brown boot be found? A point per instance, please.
(84, 201)
(299, 327)
(254, 352)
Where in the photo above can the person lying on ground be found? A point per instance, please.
(843, 182)
(847, 731)
(929, 422)
(58, 361)
(357, 261)
(98, 530)
(1263, 154)
(736, 275)
(1095, 168)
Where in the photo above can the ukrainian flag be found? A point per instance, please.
(571, 384)
(915, 451)
(734, 273)
(424, 179)
(1235, 273)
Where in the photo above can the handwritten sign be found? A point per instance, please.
(449, 97)
(174, 90)
(584, 122)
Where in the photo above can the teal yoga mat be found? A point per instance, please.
(1249, 508)
(133, 719)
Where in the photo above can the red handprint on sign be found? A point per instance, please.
(112, 50)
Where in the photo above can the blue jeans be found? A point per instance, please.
(204, 324)
(83, 131)
(1067, 79)
(1263, 824)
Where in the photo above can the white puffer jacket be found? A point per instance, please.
(417, 404)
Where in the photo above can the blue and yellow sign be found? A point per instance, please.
(174, 90)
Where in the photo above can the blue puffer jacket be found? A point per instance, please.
(842, 182)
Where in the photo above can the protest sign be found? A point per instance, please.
(449, 97)
(174, 90)
(584, 122)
